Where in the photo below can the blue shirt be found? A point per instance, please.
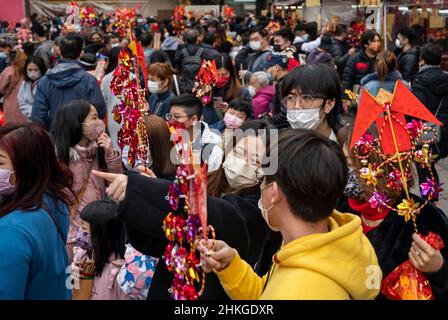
(34, 260)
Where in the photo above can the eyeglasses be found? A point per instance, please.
(175, 117)
(290, 100)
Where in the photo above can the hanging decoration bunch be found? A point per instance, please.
(177, 20)
(133, 105)
(124, 20)
(389, 156)
(72, 22)
(354, 34)
(186, 224)
(205, 81)
(228, 13)
(87, 16)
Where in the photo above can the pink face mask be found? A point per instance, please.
(95, 130)
(232, 122)
(6, 188)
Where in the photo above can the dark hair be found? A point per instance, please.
(316, 79)
(233, 87)
(312, 173)
(67, 130)
(160, 146)
(191, 36)
(368, 37)
(286, 34)
(88, 61)
(263, 32)
(340, 29)
(114, 53)
(386, 63)
(300, 27)
(191, 104)
(432, 54)
(36, 167)
(239, 104)
(106, 231)
(71, 46)
(39, 62)
(210, 38)
(311, 29)
(146, 38)
(41, 29)
(217, 182)
(28, 48)
(159, 56)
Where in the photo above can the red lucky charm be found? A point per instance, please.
(205, 81)
(406, 282)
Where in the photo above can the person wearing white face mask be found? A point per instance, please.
(35, 68)
(324, 253)
(310, 94)
(159, 80)
(234, 213)
(254, 55)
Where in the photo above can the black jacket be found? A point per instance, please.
(408, 63)
(339, 51)
(358, 66)
(279, 118)
(236, 219)
(392, 241)
(430, 85)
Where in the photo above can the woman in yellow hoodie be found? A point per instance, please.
(325, 254)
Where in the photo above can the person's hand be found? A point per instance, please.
(352, 51)
(424, 257)
(241, 74)
(216, 255)
(180, 40)
(105, 142)
(346, 105)
(144, 171)
(222, 106)
(118, 184)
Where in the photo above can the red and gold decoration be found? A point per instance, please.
(24, 33)
(205, 81)
(178, 22)
(124, 20)
(129, 111)
(87, 17)
(273, 27)
(396, 148)
(228, 13)
(186, 224)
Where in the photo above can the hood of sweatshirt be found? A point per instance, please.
(66, 74)
(343, 254)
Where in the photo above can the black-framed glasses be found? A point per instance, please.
(175, 117)
(304, 99)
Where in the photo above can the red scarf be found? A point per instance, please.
(367, 213)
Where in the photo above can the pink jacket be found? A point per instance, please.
(263, 99)
(82, 162)
(10, 83)
(106, 287)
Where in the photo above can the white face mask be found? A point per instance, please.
(398, 43)
(166, 34)
(239, 173)
(304, 118)
(252, 90)
(265, 213)
(255, 45)
(153, 86)
(34, 75)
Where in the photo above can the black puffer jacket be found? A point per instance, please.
(358, 66)
(430, 85)
(408, 63)
(339, 51)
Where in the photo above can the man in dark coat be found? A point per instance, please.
(67, 81)
(340, 49)
(409, 56)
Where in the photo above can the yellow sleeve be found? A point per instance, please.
(240, 281)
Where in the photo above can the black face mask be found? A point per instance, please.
(277, 48)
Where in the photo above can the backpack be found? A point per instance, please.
(190, 69)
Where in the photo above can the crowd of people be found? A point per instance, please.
(70, 199)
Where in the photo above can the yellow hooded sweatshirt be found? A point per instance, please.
(340, 264)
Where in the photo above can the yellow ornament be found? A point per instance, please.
(408, 207)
